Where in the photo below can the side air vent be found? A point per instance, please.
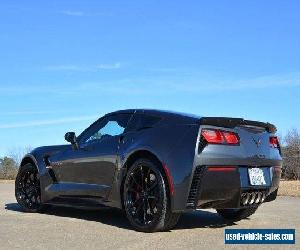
(192, 198)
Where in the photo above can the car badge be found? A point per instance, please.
(257, 141)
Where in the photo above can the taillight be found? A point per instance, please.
(212, 136)
(216, 136)
(231, 138)
(274, 143)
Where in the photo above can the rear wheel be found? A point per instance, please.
(27, 188)
(236, 214)
(146, 198)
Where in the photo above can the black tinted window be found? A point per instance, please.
(142, 121)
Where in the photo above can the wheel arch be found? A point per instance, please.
(145, 153)
(29, 159)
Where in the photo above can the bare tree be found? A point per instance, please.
(18, 153)
(8, 168)
(291, 155)
(9, 164)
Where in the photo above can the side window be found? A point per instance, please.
(111, 126)
(142, 121)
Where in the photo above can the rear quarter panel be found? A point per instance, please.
(173, 145)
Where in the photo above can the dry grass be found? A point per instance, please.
(7, 181)
(289, 188)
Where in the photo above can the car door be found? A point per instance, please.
(89, 170)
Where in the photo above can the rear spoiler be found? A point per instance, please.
(228, 122)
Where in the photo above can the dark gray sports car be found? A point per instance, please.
(155, 165)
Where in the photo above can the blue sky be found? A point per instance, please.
(65, 63)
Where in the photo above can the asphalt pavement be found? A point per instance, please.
(67, 228)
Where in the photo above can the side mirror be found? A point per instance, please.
(71, 137)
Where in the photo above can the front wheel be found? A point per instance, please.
(146, 198)
(236, 214)
(27, 188)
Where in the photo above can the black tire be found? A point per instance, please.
(172, 221)
(27, 188)
(237, 214)
(146, 200)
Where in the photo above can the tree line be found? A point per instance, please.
(290, 150)
(291, 155)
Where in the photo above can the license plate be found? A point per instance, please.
(256, 176)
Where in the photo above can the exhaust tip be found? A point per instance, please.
(259, 196)
(245, 198)
(253, 196)
(250, 198)
(263, 197)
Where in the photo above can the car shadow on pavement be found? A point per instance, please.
(116, 217)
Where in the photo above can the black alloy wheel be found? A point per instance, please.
(145, 198)
(27, 188)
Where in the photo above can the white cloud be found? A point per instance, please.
(155, 84)
(24, 112)
(78, 13)
(195, 83)
(268, 81)
(83, 68)
(73, 13)
(109, 66)
(48, 122)
(68, 67)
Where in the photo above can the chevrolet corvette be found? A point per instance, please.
(155, 165)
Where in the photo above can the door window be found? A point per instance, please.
(110, 126)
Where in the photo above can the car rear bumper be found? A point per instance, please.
(230, 189)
